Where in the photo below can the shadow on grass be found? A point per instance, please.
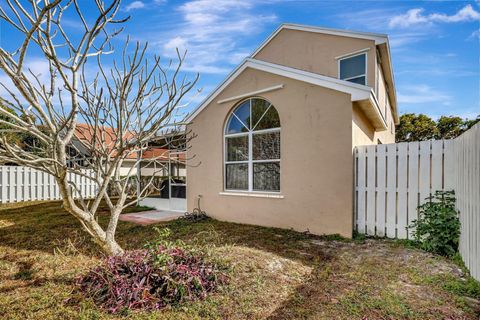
(47, 226)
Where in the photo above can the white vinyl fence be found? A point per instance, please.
(392, 180)
(27, 184)
(467, 187)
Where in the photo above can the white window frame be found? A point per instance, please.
(360, 75)
(250, 160)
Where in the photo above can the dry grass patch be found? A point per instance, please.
(274, 274)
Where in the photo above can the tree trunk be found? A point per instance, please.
(100, 237)
(112, 248)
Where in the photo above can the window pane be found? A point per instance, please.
(352, 67)
(259, 106)
(235, 126)
(266, 146)
(243, 113)
(266, 176)
(237, 148)
(270, 120)
(359, 80)
(237, 176)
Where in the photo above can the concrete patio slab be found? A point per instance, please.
(145, 218)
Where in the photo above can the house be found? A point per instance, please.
(161, 159)
(274, 140)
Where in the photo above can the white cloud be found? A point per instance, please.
(402, 39)
(135, 5)
(176, 43)
(422, 94)
(415, 17)
(475, 34)
(212, 31)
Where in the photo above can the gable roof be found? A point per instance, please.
(377, 37)
(381, 41)
(357, 92)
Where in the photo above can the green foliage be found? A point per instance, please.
(449, 127)
(438, 227)
(470, 123)
(24, 140)
(414, 127)
(162, 257)
(468, 287)
(420, 127)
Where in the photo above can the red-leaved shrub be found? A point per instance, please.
(140, 280)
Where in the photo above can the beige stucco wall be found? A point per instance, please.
(316, 52)
(363, 133)
(316, 158)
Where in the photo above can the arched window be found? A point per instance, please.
(252, 147)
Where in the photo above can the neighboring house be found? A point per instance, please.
(274, 141)
(155, 161)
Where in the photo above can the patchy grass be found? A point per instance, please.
(275, 274)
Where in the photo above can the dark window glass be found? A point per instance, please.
(269, 120)
(266, 176)
(252, 116)
(259, 106)
(359, 80)
(352, 67)
(237, 148)
(237, 176)
(266, 146)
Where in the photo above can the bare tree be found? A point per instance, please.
(125, 105)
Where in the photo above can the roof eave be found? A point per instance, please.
(390, 78)
(363, 94)
(377, 37)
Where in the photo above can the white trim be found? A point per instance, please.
(351, 54)
(378, 38)
(252, 93)
(250, 161)
(374, 101)
(393, 103)
(234, 135)
(253, 194)
(357, 91)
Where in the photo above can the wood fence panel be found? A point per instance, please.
(402, 194)
(467, 191)
(449, 165)
(380, 218)
(361, 190)
(437, 166)
(371, 186)
(393, 180)
(424, 171)
(391, 208)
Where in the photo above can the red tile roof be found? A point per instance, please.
(85, 133)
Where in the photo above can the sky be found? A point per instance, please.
(434, 44)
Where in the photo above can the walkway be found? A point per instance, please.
(145, 218)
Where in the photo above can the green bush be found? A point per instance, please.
(438, 227)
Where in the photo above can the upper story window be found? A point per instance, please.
(252, 147)
(354, 68)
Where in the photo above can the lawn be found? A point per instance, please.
(274, 274)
